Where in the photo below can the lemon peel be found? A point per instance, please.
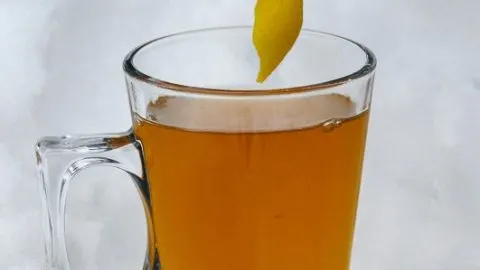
(275, 31)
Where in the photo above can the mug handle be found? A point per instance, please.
(60, 159)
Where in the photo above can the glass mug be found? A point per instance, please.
(232, 174)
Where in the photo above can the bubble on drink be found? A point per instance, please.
(252, 114)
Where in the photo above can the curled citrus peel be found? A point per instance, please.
(276, 28)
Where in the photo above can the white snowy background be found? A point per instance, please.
(60, 72)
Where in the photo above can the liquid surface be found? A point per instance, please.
(276, 200)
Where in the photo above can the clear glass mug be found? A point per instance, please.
(232, 174)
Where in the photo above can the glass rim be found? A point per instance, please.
(129, 67)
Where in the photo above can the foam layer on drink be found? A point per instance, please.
(262, 114)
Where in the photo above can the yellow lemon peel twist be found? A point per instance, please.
(276, 28)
